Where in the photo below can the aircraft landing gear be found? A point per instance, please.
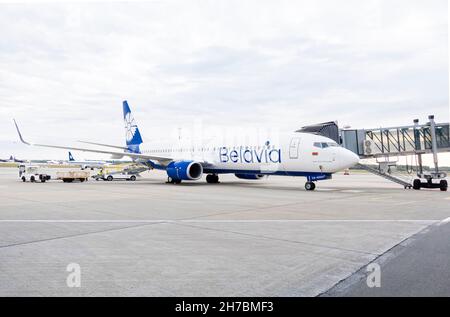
(310, 186)
(212, 179)
(170, 180)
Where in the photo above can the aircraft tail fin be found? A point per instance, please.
(132, 136)
(71, 159)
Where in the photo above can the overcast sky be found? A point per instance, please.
(65, 68)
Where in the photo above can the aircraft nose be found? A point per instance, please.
(350, 158)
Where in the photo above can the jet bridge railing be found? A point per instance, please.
(371, 143)
(429, 138)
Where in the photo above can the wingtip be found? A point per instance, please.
(20, 134)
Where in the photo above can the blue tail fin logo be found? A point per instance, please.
(71, 159)
(133, 136)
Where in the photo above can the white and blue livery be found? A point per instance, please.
(291, 154)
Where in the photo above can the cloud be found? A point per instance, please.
(65, 68)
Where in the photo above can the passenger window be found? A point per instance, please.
(318, 144)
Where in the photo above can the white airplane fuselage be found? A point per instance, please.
(294, 154)
(87, 164)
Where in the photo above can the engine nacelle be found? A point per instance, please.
(250, 176)
(185, 170)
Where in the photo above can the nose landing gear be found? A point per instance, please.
(310, 186)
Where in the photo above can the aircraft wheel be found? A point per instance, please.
(212, 179)
(170, 180)
(32, 179)
(443, 185)
(310, 186)
(24, 179)
(417, 184)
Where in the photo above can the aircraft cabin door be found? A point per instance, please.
(294, 148)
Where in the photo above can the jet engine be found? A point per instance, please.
(184, 170)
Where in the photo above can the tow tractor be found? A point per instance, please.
(33, 174)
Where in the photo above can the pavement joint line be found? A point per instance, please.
(144, 223)
(279, 239)
(71, 236)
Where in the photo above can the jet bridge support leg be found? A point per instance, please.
(436, 174)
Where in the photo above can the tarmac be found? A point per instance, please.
(236, 238)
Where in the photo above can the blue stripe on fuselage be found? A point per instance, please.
(312, 176)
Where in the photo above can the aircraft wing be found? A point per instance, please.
(163, 160)
(105, 145)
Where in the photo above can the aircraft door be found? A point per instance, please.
(294, 148)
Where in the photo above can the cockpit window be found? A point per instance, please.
(323, 145)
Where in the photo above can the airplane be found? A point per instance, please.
(12, 159)
(86, 164)
(291, 154)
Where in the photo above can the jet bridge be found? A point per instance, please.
(398, 141)
(386, 145)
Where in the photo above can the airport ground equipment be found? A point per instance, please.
(33, 174)
(118, 176)
(70, 176)
(386, 144)
(130, 172)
